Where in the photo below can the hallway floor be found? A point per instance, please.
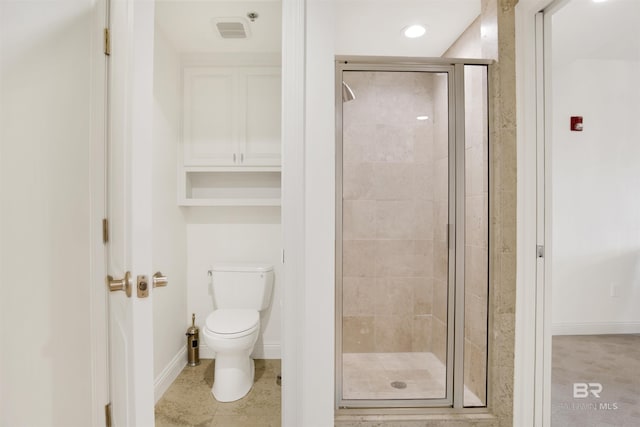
(189, 402)
(609, 360)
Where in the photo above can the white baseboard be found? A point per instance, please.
(595, 328)
(265, 351)
(169, 374)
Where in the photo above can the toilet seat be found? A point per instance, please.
(232, 323)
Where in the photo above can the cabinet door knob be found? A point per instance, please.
(241, 157)
(234, 157)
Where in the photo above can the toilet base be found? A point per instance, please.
(233, 377)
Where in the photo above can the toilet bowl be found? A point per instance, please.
(231, 334)
(240, 292)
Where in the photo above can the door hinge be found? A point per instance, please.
(105, 230)
(107, 42)
(107, 414)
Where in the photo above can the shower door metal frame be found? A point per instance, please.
(454, 68)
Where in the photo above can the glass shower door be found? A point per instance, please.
(412, 235)
(394, 264)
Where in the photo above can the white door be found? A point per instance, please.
(129, 211)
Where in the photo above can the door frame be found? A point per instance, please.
(532, 382)
(98, 293)
(293, 211)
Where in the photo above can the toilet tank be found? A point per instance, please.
(242, 285)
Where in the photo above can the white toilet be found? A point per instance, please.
(240, 292)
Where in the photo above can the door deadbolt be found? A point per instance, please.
(143, 286)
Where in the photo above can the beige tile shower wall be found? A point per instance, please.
(388, 212)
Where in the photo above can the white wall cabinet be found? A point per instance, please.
(231, 116)
(231, 137)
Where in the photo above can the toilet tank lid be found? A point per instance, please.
(242, 267)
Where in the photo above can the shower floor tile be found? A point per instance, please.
(369, 376)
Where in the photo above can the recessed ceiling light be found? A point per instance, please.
(422, 118)
(414, 31)
(599, 1)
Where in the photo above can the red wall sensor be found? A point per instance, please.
(576, 123)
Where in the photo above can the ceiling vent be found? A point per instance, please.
(232, 28)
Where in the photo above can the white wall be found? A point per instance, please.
(169, 228)
(596, 197)
(234, 234)
(45, 230)
(595, 208)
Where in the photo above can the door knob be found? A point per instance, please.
(159, 280)
(123, 284)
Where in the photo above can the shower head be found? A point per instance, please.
(347, 93)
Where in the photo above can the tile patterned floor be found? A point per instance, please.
(369, 376)
(611, 360)
(189, 402)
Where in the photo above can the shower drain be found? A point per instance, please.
(399, 384)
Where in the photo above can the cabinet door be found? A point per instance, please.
(210, 116)
(260, 135)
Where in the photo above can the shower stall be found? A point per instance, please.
(412, 233)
